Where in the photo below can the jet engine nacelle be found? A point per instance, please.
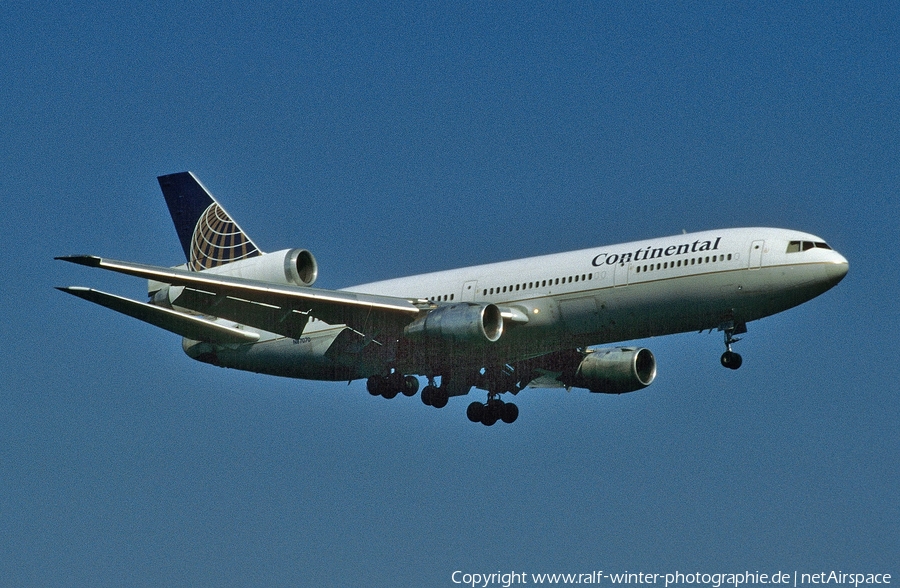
(290, 267)
(616, 370)
(459, 323)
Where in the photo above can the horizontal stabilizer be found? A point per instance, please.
(186, 325)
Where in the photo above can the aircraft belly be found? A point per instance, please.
(305, 357)
(776, 288)
(670, 306)
(581, 315)
(700, 302)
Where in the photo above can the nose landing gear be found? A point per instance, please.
(730, 359)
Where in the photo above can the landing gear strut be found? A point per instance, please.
(730, 359)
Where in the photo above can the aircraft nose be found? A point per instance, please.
(837, 269)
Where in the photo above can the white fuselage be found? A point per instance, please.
(601, 295)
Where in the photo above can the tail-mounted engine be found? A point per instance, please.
(616, 370)
(290, 267)
(459, 323)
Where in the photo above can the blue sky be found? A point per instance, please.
(393, 140)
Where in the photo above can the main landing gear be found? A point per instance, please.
(488, 413)
(730, 359)
(496, 380)
(433, 395)
(391, 385)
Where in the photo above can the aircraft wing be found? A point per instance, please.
(274, 308)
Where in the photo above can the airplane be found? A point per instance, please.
(500, 327)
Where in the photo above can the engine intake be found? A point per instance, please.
(616, 370)
(459, 323)
(289, 267)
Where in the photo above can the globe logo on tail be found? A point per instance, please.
(218, 240)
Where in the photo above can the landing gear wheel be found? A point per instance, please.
(410, 386)
(475, 412)
(372, 385)
(493, 411)
(509, 412)
(394, 383)
(731, 360)
(488, 416)
(439, 398)
(428, 394)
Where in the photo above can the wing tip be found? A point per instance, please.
(88, 260)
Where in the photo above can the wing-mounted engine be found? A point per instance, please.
(289, 267)
(615, 370)
(458, 323)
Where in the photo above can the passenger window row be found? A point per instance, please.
(682, 262)
(539, 284)
(793, 247)
(445, 298)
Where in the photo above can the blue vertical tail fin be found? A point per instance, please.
(208, 235)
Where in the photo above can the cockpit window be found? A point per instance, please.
(796, 246)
